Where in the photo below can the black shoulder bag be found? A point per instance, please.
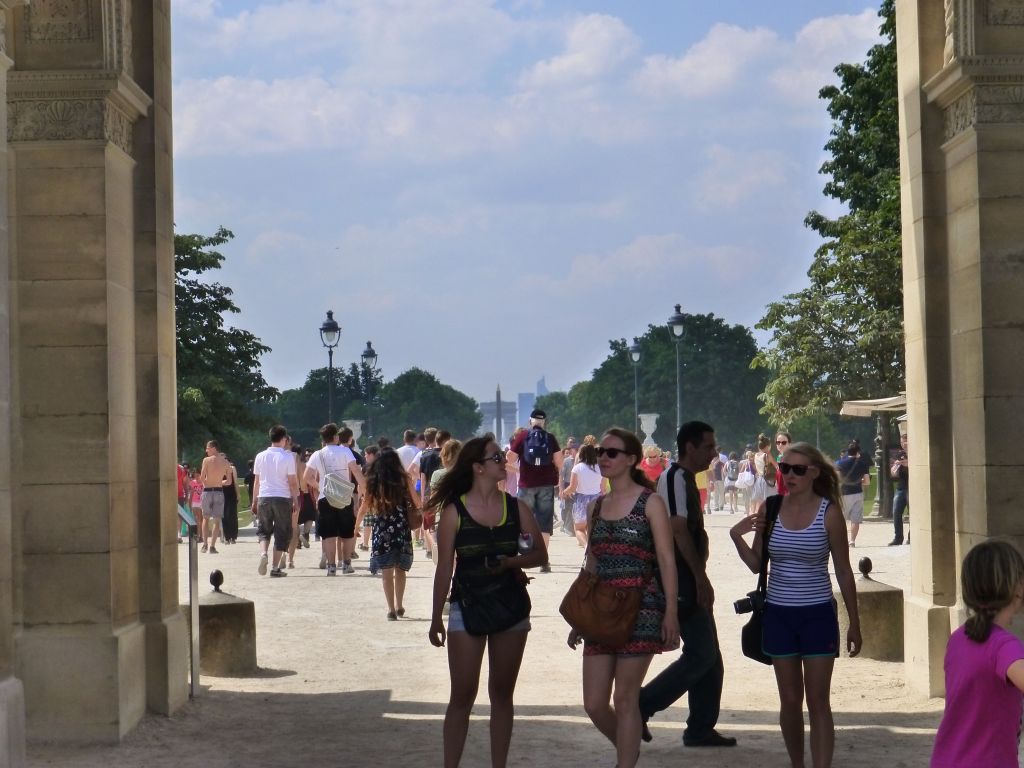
(751, 639)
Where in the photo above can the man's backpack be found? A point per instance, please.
(733, 470)
(537, 448)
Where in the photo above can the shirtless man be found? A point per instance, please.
(215, 473)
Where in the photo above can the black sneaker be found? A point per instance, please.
(713, 739)
(277, 573)
(546, 568)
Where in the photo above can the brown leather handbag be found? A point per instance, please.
(599, 612)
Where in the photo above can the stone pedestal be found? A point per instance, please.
(880, 607)
(227, 635)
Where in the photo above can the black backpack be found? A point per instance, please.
(537, 448)
(733, 472)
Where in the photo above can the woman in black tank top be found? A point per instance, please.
(480, 535)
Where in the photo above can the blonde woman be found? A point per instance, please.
(801, 628)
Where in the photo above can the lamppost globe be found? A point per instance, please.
(369, 356)
(634, 350)
(676, 322)
(330, 331)
(330, 334)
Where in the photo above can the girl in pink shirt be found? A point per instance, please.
(984, 665)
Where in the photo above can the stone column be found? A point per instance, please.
(72, 113)
(961, 80)
(12, 697)
(166, 629)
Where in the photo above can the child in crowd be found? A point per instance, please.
(984, 665)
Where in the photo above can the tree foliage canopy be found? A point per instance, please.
(718, 385)
(841, 337)
(416, 399)
(218, 366)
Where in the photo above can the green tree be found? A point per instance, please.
(718, 386)
(416, 399)
(841, 337)
(219, 382)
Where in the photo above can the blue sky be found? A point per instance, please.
(492, 190)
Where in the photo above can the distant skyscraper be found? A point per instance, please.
(526, 401)
(542, 388)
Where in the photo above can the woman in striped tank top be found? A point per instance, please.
(801, 630)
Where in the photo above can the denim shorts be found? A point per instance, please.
(541, 502)
(801, 630)
(455, 623)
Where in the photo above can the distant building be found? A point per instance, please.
(526, 401)
(490, 419)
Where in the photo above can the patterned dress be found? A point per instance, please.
(624, 551)
(391, 543)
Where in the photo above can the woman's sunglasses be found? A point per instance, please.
(782, 442)
(797, 469)
(611, 453)
(497, 458)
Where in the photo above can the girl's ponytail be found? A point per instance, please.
(979, 625)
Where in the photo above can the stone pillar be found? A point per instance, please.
(156, 430)
(12, 697)
(84, 581)
(961, 81)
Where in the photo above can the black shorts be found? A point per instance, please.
(307, 509)
(335, 522)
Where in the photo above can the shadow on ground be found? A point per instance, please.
(365, 729)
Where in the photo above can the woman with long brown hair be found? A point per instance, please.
(391, 498)
(484, 539)
(629, 532)
(801, 628)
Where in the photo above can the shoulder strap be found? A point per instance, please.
(670, 482)
(772, 507)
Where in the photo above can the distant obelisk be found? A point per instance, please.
(497, 411)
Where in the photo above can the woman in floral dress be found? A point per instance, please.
(390, 497)
(629, 535)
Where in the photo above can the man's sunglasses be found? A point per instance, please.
(611, 453)
(497, 458)
(782, 442)
(797, 469)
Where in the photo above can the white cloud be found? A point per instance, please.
(731, 177)
(595, 46)
(712, 65)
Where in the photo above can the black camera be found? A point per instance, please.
(749, 603)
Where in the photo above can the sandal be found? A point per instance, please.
(392, 616)
(400, 612)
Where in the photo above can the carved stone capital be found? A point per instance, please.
(985, 105)
(65, 106)
(1006, 13)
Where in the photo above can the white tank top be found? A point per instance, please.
(798, 564)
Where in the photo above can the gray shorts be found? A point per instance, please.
(275, 519)
(213, 503)
(542, 502)
(853, 507)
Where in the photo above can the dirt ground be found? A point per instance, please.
(339, 685)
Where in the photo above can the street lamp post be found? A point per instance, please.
(634, 356)
(330, 334)
(676, 325)
(369, 356)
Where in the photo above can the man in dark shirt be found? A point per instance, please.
(900, 473)
(699, 670)
(854, 473)
(538, 477)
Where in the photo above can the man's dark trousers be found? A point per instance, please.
(699, 670)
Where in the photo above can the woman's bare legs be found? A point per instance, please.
(790, 679)
(388, 579)
(818, 686)
(465, 653)
(598, 676)
(504, 656)
(581, 533)
(619, 722)
(399, 588)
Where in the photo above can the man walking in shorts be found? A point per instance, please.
(854, 473)
(275, 499)
(213, 474)
(336, 526)
(540, 461)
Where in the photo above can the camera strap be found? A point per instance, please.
(772, 506)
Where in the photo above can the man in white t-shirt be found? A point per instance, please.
(275, 494)
(408, 451)
(335, 527)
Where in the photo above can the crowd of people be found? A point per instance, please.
(484, 513)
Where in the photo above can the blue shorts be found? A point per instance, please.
(541, 502)
(801, 630)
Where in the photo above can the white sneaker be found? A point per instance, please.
(261, 569)
(323, 561)
(332, 570)
(347, 568)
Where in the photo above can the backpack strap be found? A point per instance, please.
(670, 479)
